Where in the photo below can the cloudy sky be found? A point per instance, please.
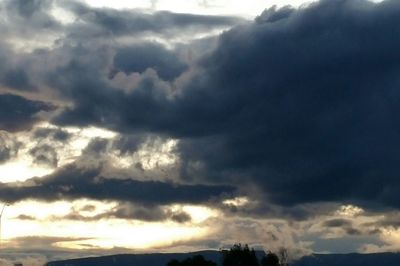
(179, 125)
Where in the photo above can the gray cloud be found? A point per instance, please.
(18, 113)
(24, 15)
(75, 182)
(96, 146)
(345, 224)
(106, 21)
(137, 58)
(44, 154)
(127, 144)
(25, 217)
(52, 134)
(299, 103)
(353, 231)
(338, 223)
(17, 79)
(129, 211)
(8, 146)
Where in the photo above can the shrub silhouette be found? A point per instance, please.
(197, 260)
(239, 255)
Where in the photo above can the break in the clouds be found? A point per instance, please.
(289, 117)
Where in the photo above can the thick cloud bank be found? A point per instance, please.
(302, 102)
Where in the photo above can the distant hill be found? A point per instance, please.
(354, 259)
(158, 259)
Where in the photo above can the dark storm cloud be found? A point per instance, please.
(18, 113)
(303, 102)
(137, 58)
(73, 182)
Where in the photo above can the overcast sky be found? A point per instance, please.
(175, 126)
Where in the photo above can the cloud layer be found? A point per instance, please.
(295, 111)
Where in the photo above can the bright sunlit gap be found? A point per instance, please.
(349, 210)
(236, 202)
(23, 167)
(208, 7)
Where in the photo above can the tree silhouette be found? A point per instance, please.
(271, 259)
(197, 260)
(239, 255)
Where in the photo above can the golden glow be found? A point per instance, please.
(349, 210)
(199, 213)
(30, 217)
(138, 235)
(22, 167)
(237, 202)
(21, 170)
(391, 236)
(153, 155)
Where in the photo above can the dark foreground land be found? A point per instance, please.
(376, 259)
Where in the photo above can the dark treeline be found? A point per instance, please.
(237, 255)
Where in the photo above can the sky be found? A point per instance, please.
(174, 126)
